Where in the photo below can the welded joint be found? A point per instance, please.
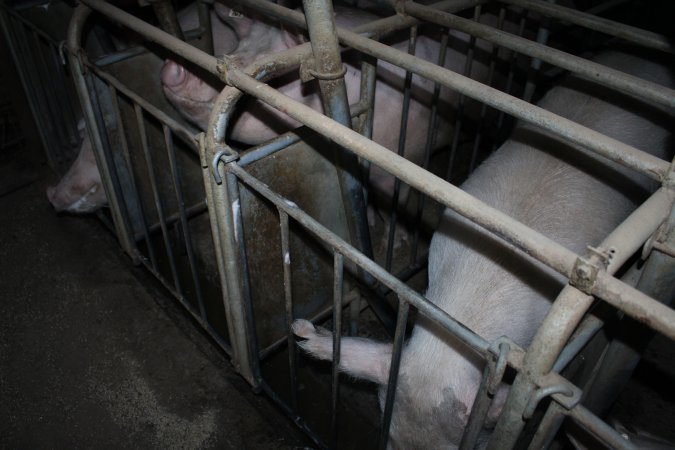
(499, 350)
(658, 241)
(225, 155)
(569, 397)
(584, 275)
(223, 65)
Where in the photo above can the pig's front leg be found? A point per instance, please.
(359, 357)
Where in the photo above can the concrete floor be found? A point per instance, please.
(93, 354)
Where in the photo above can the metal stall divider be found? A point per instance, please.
(589, 278)
(39, 60)
(149, 164)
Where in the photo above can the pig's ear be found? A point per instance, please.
(236, 18)
(359, 357)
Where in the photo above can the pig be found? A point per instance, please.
(194, 98)
(556, 188)
(80, 190)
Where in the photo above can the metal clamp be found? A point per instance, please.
(62, 52)
(584, 275)
(226, 155)
(566, 390)
(500, 348)
(308, 72)
(605, 256)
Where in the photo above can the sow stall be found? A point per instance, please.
(250, 239)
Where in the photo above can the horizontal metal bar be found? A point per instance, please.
(617, 151)
(610, 27)
(592, 70)
(600, 429)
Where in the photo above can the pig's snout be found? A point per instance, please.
(173, 74)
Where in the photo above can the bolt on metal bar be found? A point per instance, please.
(597, 72)
(288, 303)
(571, 305)
(610, 27)
(180, 201)
(338, 283)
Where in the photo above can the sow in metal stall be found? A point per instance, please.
(228, 180)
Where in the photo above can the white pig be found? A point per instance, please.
(558, 189)
(80, 190)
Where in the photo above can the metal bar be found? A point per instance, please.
(600, 429)
(124, 148)
(479, 410)
(571, 305)
(338, 274)
(150, 166)
(205, 26)
(396, 351)
(288, 302)
(209, 189)
(616, 29)
(597, 72)
(66, 101)
(180, 201)
(548, 427)
(406, 293)
(166, 16)
(330, 71)
(176, 127)
(403, 131)
(223, 210)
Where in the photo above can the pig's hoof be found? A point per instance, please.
(303, 328)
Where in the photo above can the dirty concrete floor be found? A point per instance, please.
(93, 356)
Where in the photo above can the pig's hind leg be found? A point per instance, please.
(359, 357)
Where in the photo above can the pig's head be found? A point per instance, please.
(80, 190)
(194, 97)
(434, 394)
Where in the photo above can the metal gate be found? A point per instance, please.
(243, 199)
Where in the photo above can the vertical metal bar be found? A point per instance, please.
(330, 72)
(139, 219)
(338, 272)
(166, 16)
(431, 138)
(484, 107)
(407, 85)
(397, 349)
(205, 27)
(180, 201)
(367, 95)
(290, 316)
(542, 38)
(65, 101)
(548, 427)
(17, 47)
(462, 99)
(509, 82)
(210, 190)
(354, 312)
(155, 193)
(479, 411)
(245, 278)
(50, 88)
